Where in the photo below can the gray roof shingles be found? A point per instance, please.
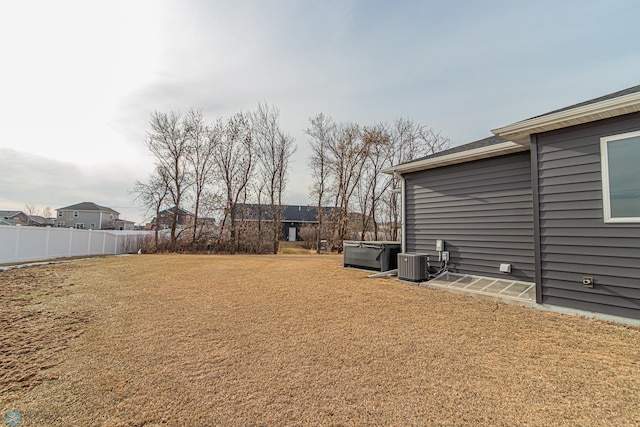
(497, 140)
(485, 142)
(8, 214)
(290, 213)
(612, 95)
(86, 206)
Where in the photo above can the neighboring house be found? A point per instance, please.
(7, 221)
(123, 224)
(21, 218)
(185, 219)
(88, 215)
(40, 221)
(13, 218)
(294, 217)
(557, 197)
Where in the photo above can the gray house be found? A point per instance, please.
(40, 221)
(555, 197)
(21, 218)
(88, 215)
(13, 218)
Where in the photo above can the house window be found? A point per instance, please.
(621, 177)
(80, 226)
(93, 226)
(60, 214)
(75, 214)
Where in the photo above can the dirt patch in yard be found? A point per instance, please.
(295, 340)
(33, 334)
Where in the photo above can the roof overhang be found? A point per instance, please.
(520, 132)
(460, 157)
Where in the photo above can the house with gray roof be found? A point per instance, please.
(552, 201)
(294, 217)
(89, 215)
(20, 218)
(40, 221)
(9, 217)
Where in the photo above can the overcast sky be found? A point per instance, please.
(79, 79)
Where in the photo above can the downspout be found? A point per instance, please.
(403, 229)
(535, 190)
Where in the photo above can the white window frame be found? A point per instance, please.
(606, 194)
(79, 226)
(75, 214)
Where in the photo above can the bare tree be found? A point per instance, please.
(259, 191)
(211, 203)
(346, 162)
(46, 212)
(234, 159)
(167, 141)
(347, 154)
(274, 149)
(409, 141)
(322, 131)
(201, 141)
(30, 209)
(373, 185)
(153, 194)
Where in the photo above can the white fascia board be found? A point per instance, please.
(520, 131)
(460, 157)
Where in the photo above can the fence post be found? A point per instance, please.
(70, 240)
(46, 245)
(89, 242)
(115, 246)
(104, 241)
(17, 246)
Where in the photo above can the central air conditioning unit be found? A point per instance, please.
(413, 267)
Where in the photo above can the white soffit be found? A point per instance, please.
(494, 150)
(520, 132)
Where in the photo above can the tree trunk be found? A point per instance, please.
(157, 225)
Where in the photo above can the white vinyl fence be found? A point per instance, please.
(19, 244)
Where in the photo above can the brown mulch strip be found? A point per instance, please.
(295, 340)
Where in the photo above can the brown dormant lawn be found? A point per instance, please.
(294, 340)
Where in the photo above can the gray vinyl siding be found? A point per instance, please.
(574, 240)
(481, 209)
(87, 218)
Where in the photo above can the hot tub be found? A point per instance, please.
(378, 256)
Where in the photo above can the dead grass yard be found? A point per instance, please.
(294, 340)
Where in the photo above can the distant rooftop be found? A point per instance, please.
(8, 214)
(87, 206)
(290, 213)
